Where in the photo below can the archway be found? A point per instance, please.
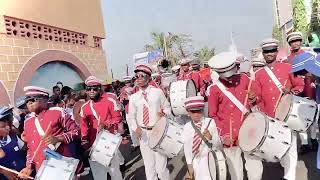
(4, 100)
(45, 57)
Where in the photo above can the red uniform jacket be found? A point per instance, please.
(195, 76)
(61, 125)
(267, 92)
(309, 87)
(293, 55)
(104, 109)
(225, 113)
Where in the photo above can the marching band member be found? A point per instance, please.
(226, 98)
(96, 114)
(125, 94)
(46, 128)
(186, 74)
(175, 69)
(195, 150)
(295, 41)
(12, 154)
(268, 86)
(146, 107)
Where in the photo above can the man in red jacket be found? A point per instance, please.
(49, 128)
(295, 41)
(100, 112)
(270, 83)
(226, 106)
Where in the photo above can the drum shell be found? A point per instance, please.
(275, 142)
(298, 112)
(217, 163)
(179, 91)
(168, 140)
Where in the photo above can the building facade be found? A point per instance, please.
(34, 33)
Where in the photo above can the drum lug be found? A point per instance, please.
(286, 143)
(293, 115)
(308, 120)
(286, 126)
(312, 106)
(180, 142)
(169, 137)
(177, 133)
(261, 151)
(272, 120)
(271, 137)
(275, 157)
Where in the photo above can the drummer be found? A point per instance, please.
(294, 40)
(97, 114)
(12, 148)
(269, 91)
(195, 150)
(226, 106)
(146, 107)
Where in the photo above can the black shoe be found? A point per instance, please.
(304, 149)
(123, 168)
(134, 148)
(314, 144)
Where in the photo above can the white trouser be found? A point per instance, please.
(155, 164)
(100, 172)
(313, 134)
(200, 168)
(289, 161)
(134, 139)
(253, 165)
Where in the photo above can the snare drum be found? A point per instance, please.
(62, 169)
(217, 163)
(179, 92)
(264, 137)
(104, 147)
(166, 137)
(298, 112)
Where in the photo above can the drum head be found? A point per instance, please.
(157, 132)
(191, 89)
(212, 165)
(283, 107)
(252, 131)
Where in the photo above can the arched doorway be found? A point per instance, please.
(4, 100)
(41, 60)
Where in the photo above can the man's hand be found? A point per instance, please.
(25, 172)
(138, 132)
(252, 97)
(161, 114)
(102, 127)
(52, 140)
(286, 90)
(228, 141)
(207, 134)
(295, 92)
(189, 174)
(9, 175)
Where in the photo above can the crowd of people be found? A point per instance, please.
(68, 122)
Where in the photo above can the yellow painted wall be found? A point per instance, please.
(84, 16)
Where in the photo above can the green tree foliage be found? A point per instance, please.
(315, 19)
(299, 16)
(277, 34)
(204, 54)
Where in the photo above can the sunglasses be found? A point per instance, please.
(270, 51)
(195, 111)
(137, 76)
(34, 99)
(92, 88)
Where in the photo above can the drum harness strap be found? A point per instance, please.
(273, 78)
(210, 148)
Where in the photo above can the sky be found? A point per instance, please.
(128, 24)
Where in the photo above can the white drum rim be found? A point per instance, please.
(162, 137)
(217, 164)
(287, 111)
(266, 121)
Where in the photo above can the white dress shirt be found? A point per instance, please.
(156, 101)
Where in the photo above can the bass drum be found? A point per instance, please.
(179, 92)
(218, 167)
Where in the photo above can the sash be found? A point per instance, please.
(116, 106)
(42, 134)
(232, 98)
(94, 113)
(273, 78)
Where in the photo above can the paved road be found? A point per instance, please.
(134, 169)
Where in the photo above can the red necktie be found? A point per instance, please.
(196, 140)
(145, 110)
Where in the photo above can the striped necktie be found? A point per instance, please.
(145, 110)
(196, 140)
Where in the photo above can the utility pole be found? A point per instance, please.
(127, 69)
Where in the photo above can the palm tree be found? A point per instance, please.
(299, 16)
(204, 54)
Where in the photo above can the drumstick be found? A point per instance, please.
(279, 98)
(13, 171)
(38, 147)
(246, 100)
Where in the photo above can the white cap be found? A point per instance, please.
(185, 61)
(223, 62)
(175, 68)
(294, 36)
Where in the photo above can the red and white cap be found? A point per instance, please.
(194, 103)
(294, 36)
(35, 91)
(127, 78)
(93, 81)
(143, 68)
(185, 61)
(269, 44)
